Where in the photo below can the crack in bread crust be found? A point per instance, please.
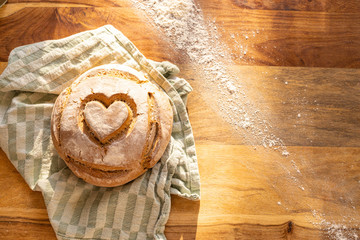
(153, 134)
(96, 172)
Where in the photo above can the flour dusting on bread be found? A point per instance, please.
(111, 125)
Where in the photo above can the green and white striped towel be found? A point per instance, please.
(35, 75)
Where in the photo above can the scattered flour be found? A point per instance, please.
(285, 153)
(334, 231)
(183, 23)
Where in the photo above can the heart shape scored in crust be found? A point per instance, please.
(106, 122)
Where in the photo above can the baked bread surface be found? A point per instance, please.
(111, 125)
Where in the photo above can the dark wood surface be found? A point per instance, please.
(247, 193)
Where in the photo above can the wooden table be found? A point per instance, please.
(301, 71)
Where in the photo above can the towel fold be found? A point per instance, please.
(35, 75)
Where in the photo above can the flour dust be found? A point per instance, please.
(185, 27)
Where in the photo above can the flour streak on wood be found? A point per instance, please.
(286, 166)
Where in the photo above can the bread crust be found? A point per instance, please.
(111, 125)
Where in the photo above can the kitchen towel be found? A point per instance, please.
(29, 85)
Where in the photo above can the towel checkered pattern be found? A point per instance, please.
(35, 75)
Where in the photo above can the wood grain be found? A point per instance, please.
(237, 198)
(33, 24)
(2, 66)
(22, 212)
(287, 38)
(284, 38)
(326, 99)
(309, 5)
(103, 3)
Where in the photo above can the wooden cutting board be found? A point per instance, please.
(301, 72)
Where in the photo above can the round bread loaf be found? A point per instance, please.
(111, 125)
